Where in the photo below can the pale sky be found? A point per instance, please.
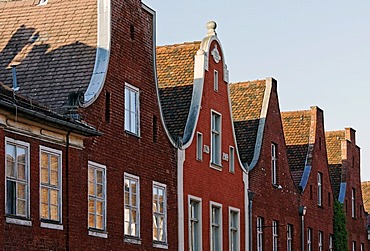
(319, 51)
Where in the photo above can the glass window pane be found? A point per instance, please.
(91, 174)
(133, 101)
(54, 197)
(99, 221)
(127, 228)
(99, 176)
(133, 200)
(99, 207)
(21, 191)
(44, 176)
(54, 178)
(54, 213)
(91, 220)
(44, 160)
(21, 207)
(91, 188)
(133, 187)
(133, 125)
(21, 171)
(99, 191)
(21, 155)
(54, 162)
(91, 206)
(44, 195)
(44, 211)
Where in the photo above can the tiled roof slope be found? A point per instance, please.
(175, 68)
(246, 101)
(333, 147)
(296, 126)
(53, 46)
(365, 187)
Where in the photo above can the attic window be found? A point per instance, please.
(43, 2)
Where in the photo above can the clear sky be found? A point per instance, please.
(319, 51)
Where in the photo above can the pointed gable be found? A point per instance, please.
(175, 67)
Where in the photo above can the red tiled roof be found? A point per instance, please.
(246, 101)
(366, 195)
(53, 46)
(175, 67)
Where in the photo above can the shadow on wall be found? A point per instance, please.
(46, 76)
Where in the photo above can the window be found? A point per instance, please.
(331, 247)
(231, 160)
(362, 247)
(216, 226)
(320, 241)
(132, 109)
(275, 235)
(159, 213)
(234, 233)
(195, 224)
(353, 200)
(319, 189)
(132, 205)
(259, 234)
(50, 187)
(97, 196)
(216, 139)
(199, 146)
(309, 239)
(107, 107)
(273, 163)
(289, 237)
(17, 178)
(353, 246)
(215, 80)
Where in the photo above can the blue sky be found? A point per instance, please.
(319, 51)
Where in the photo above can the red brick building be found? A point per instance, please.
(212, 182)
(262, 148)
(344, 166)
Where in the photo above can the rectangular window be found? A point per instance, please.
(216, 226)
(50, 184)
(353, 201)
(353, 246)
(132, 122)
(320, 241)
(216, 139)
(17, 178)
(319, 189)
(215, 80)
(132, 205)
(199, 146)
(274, 163)
(97, 196)
(289, 237)
(231, 160)
(259, 234)
(275, 235)
(234, 233)
(331, 247)
(159, 213)
(195, 224)
(309, 239)
(107, 107)
(362, 247)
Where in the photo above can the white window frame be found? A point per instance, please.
(231, 159)
(275, 235)
(96, 166)
(216, 160)
(234, 229)
(130, 208)
(289, 237)
(259, 228)
(331, 247)
(319, 189)
(353, 202)
(309, 239)
(274, 163)
(199, 150)
(320, 240)
(127, 119)
(215, 226)
(26, 182)
(58, 153)
(198, 201)
(215, 81)
(157, 214)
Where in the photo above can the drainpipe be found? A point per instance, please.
(302, 212)
(250, 198)
(67, 189)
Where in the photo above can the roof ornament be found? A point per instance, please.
(211, 28)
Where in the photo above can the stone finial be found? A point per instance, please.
(211, 28)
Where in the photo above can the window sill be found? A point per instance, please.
(216, 167)
(133, 134)
(161, 245)
(22, 222)
(132, 240)
(97, 233)
(55, 226)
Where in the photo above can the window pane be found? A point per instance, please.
(54, 178)
(54, 212)
(44, 195)
(21, 207)
(99, 221)
(44, 211)
(91, 174)
(54, 163)
(133, 187)
(133, 200)
(44, 176)
(21, 155)
(91, 206)
(99, 191)
(99, 176)
(54, 197)
(99, 207)
(21, 171)
(21, 193)
(91, 188)
(91, 220)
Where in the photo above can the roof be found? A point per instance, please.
(175, 68)
(247, 100)
(296, 126)
(366, 195)
(53, 47)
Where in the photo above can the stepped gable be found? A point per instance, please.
(53, 47)
(247, 100)
(175, 68)
(296, 126)
(365, 187)
(334, 152)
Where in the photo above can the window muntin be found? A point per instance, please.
(132, 205)
(275, 235)
(50, 184)
(132, 122)
(199, 146)
(353, 203)
(216, 138)
(97, 196)
(320, 241)
(159, 212)
(309, 239)
(273, 164)
(195, 224)
(215, 80)
(289, 237)
(231, 159)
(319, 189)
(216, 227)
(17, 178)
(234, 232)
(259, 234)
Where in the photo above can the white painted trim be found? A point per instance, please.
(158, 245)
(199, 200)
(98, 234)
(51, 226)
(211, 164)
(199, 158)
(246, 210)
(180, 199)
(132, 237)
(136, 90)
(15, 221)
(237, 210)
(215, 80)
(164, 187)
(218, 205)
(231, 159)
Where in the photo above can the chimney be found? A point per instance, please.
(351, 135)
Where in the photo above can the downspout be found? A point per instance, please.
(67, 189)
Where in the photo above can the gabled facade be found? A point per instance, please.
(262, 148)
(344, 166)
(212, 182)
(307, 158)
